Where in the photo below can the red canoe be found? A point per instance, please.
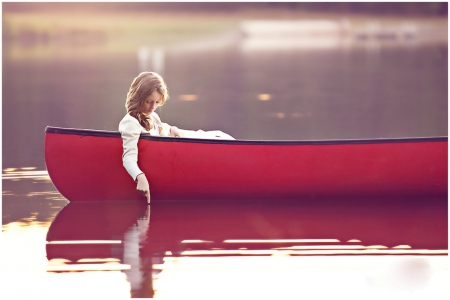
(86, 165)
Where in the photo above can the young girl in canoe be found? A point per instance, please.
(147, 92)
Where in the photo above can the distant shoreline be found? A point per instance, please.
(122, 32)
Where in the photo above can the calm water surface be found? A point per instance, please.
(366, 248)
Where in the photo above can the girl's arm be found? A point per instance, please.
(130, 130)
(177, 132)
(170, 130)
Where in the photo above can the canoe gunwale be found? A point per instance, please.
(116, 134)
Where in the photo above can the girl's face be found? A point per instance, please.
(151, 103)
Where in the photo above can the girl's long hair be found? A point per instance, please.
(142, 87)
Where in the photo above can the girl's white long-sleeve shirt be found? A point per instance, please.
(130, 130)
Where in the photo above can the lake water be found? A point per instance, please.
(355, 248)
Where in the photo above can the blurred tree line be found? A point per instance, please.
(380, 8)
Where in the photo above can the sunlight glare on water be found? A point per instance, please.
(25, 173)
(23, 241)
(285, 277)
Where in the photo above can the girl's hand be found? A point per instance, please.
(142, 186)
(176, 132)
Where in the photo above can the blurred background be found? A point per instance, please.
(281, 71)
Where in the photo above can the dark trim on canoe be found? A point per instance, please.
(84, 132)
(116, 134)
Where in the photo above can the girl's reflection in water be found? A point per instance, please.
(141, 267)
(97, 231)
(123, 231)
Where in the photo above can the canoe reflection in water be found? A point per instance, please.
(122, 236)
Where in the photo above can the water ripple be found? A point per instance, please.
(24, 173)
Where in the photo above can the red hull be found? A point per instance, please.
(86, 165)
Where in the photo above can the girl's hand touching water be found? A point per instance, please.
(142, 186)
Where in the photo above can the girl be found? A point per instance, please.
(147, 92)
